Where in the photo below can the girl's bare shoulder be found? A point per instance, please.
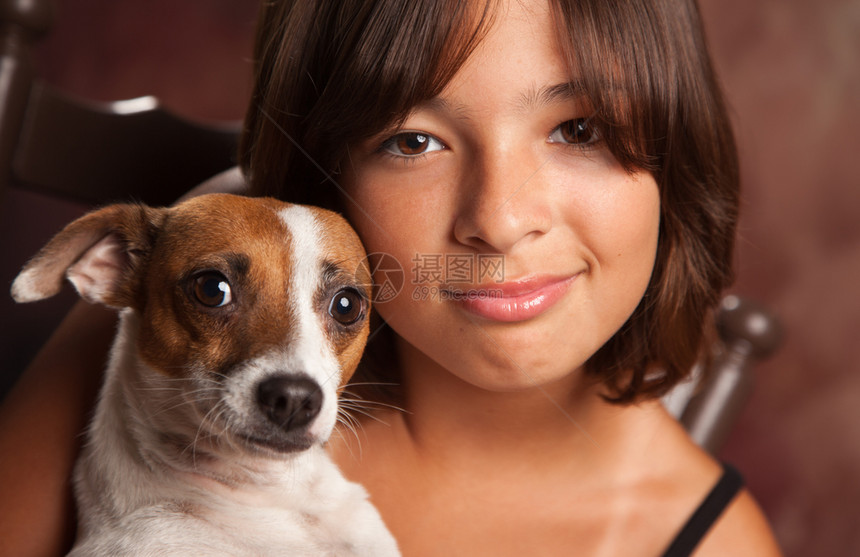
(684, 476)
(742, 530)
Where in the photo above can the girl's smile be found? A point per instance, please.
(515, 300)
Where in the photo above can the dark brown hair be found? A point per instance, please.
(329, 74)
(332, 73)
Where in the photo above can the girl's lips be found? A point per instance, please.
(512, 301)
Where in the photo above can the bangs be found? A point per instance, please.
(363, 67)
(633, 59)
(396, 56)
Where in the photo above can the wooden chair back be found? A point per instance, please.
(60, 156)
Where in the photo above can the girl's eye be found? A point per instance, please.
(212, 290)
(578, 131)
(412, 144)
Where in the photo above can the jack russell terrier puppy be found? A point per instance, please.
(241, 320)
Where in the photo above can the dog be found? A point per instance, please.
(240, 321)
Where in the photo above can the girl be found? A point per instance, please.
(574, 157)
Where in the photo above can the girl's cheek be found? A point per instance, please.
(389, 203)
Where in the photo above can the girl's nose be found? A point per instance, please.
(505, 200)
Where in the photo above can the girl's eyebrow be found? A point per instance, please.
(551, 94)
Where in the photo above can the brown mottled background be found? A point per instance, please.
(791, 70)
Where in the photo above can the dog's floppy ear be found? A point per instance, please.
(98, 253)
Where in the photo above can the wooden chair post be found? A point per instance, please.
(22, 22)
(749, 333)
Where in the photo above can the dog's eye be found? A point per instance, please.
(347, 306)
(212, 290)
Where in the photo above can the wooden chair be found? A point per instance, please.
(60, 156)
(709, 403)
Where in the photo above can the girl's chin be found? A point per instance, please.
(496, 369)
(500, 357)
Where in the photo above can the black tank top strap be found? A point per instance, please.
(701, 521)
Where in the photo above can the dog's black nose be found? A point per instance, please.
(289, 402)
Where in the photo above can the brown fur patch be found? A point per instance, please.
(217, 233)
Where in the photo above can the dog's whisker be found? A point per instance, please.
(370, 415)
(371, 384)
(372, 404)
(344, 417)
(340, 433)
(354, 426)
(168, 406)
(155, 389)
(183, 399)
(363, 408)
(218, 409)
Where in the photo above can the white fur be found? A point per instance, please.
(25, 288)
(319, 363)
(134, 501)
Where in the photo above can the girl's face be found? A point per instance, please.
(525, 246)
